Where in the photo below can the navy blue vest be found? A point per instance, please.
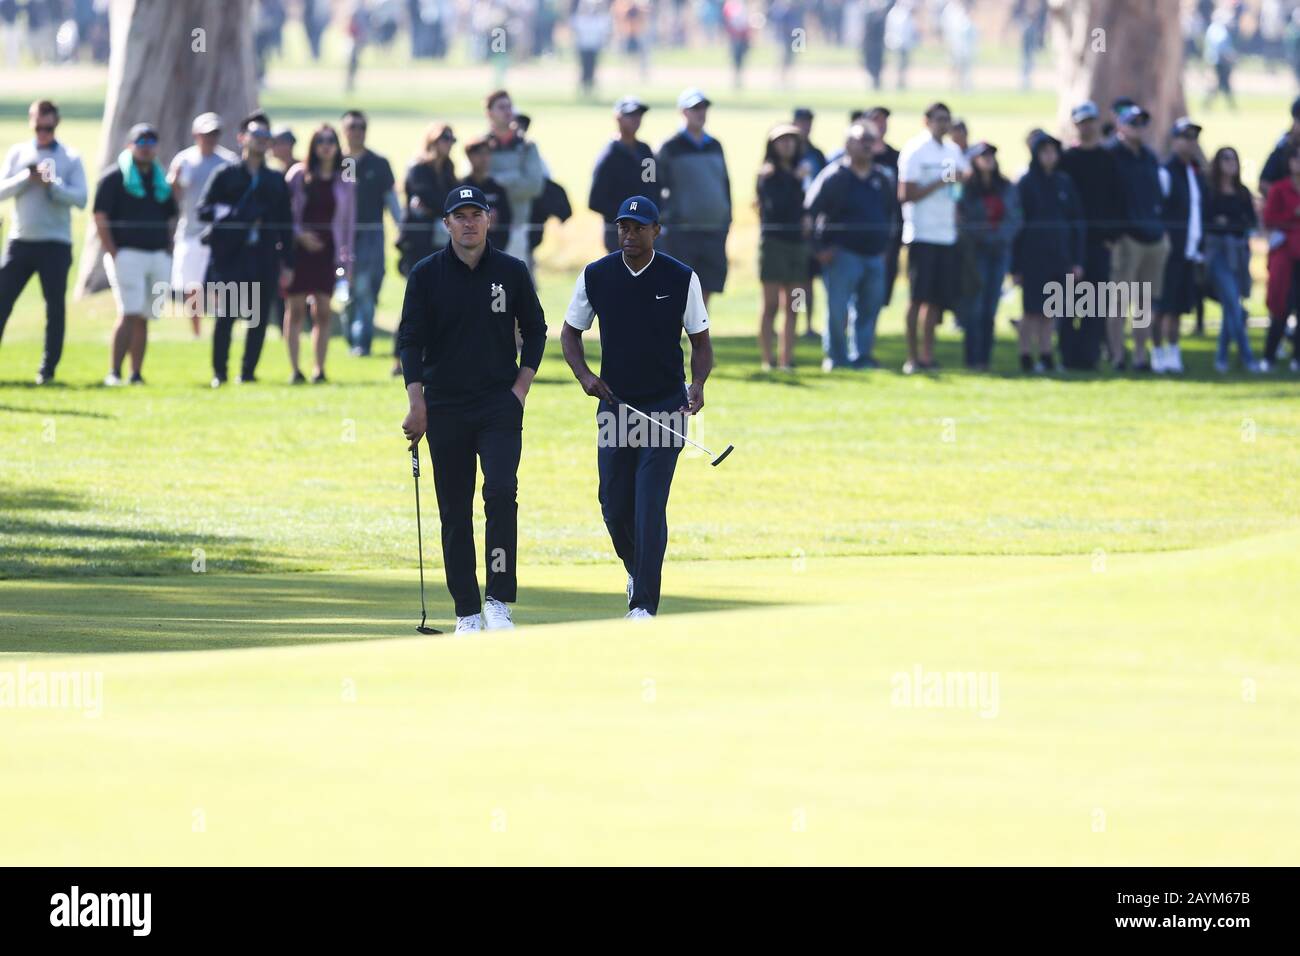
(640, 325)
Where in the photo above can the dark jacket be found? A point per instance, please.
(972, 217)
(618, 174)
(553, 203)
(1051, 240)
(419, 234)
(1142, 205)
(837, 221)
(256, 237)
(457, 333)
(1178, 204)
(1096, 178)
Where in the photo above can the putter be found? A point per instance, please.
(716, 460)
(423, 628)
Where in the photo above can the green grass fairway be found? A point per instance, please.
(1116, 556)
(1146, 713)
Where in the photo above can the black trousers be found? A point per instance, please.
(265, 291)
(490, 431)
(634, 487)
(51, 262)
(1080, 337)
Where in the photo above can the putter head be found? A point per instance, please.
(725, 452)
(425, 629)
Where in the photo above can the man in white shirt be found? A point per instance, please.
(930, 172)
(644, 300)
(188, 174)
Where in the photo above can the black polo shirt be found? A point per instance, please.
(457, 334)
(136, 222)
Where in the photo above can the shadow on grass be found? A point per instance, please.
(226, 612)
(52, 540)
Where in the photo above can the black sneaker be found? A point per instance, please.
(1026, 363)
(298, 378)
(318, 379)
(247, 379)
(137, 379)
(1048, 362)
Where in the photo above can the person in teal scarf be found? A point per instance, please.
(135, 217)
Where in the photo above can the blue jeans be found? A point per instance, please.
(858, 281)
(367, 279)
(979, 310)
(1223, 279)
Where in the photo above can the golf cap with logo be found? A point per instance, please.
(465, 196)
(629, 105)
(1133, 115)
(206, 123)
(1087, 110)
(284, 134)
(692, 98)
(1183, 126)
(639, 209)
(141, 129)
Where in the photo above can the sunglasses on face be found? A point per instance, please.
(260, 133)
(147, 141)
(356, 127)
(327, 141)
(45, 129)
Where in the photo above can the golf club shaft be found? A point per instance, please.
(671, 431)
(419, 530)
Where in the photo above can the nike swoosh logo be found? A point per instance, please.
(661, 297)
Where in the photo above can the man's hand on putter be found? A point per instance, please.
(595, 386)
(694, 399)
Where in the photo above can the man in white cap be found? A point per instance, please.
(188, 175)
(695, 195)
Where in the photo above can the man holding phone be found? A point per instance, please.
(45, 180)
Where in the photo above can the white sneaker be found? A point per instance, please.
(629, 590)
(638, 614)
(1295, 365)
(496, 615)
(1221, 366)
(469, 623)
(1262, 367)
(112, 381)
(1174, 359)
(1159, 364)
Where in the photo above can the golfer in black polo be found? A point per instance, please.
(643, 299)
(457, 346)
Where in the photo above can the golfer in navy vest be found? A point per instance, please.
(466, 391)
(644, 299)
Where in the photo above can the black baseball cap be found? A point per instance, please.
(803, 113)
(465, 196)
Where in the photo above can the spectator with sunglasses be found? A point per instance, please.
(135, 217)
(45, 180)
(323, 202)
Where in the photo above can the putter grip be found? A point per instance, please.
(415, 460)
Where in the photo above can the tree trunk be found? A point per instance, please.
(171, 60)
(1111, 48)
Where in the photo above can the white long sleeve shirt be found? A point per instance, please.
(43, 213)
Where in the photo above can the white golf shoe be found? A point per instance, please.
(1174, 359)
(638, 614)
(496, 615)
(469, 624)
(1159, 364)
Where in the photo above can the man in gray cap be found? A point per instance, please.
(1096, 177)
(695, 195)
(282, 143)
(188, 175)
(622, 167)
